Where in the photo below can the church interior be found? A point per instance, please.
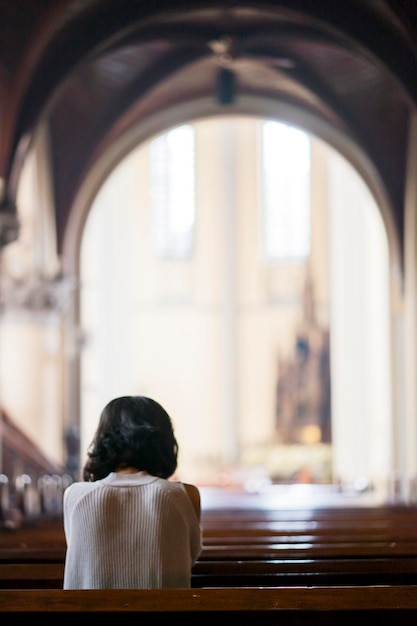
(212, 203)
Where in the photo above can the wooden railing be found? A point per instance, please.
(244, 606)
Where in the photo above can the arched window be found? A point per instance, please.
(172, 192)
(286, 192)
(232, 340)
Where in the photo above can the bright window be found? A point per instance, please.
(286, 192)
(172, 192)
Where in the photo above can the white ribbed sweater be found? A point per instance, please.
(129, 531)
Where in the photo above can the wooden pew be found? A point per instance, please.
(384, 515)
(253, 508)
(263, 522)
(42, 534)
(292, 606)
(353, 546)
(342, 534)
(248, 535)
(238, 573)
(32, 555)
(248, 551)
(267, 573)
(360, 532)
(31, 575)
(386, 524)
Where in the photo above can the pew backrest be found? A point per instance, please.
(294, 606)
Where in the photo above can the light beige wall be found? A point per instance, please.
(32, 352)
(360, 331)
(31, 380)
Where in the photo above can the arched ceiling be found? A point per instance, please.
(93, 69)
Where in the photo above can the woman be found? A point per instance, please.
(127, 526)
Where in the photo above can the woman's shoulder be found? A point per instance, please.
(194, 494)
(77, 488)
(190, 490)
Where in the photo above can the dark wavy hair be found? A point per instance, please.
(133, 431)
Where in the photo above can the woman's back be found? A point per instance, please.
(129, 531)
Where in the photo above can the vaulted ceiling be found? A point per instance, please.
(96, 69)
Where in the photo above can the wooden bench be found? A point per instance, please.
(383, 523)
(270, 572)
(232, 505)
(358, 532)
(259, 540)
(255, 534)
(365, 546)
(238, 573)
(248, 551)
(256, 551)
(31, 575)
(32, 555)
(376, 517)
(292, 606)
